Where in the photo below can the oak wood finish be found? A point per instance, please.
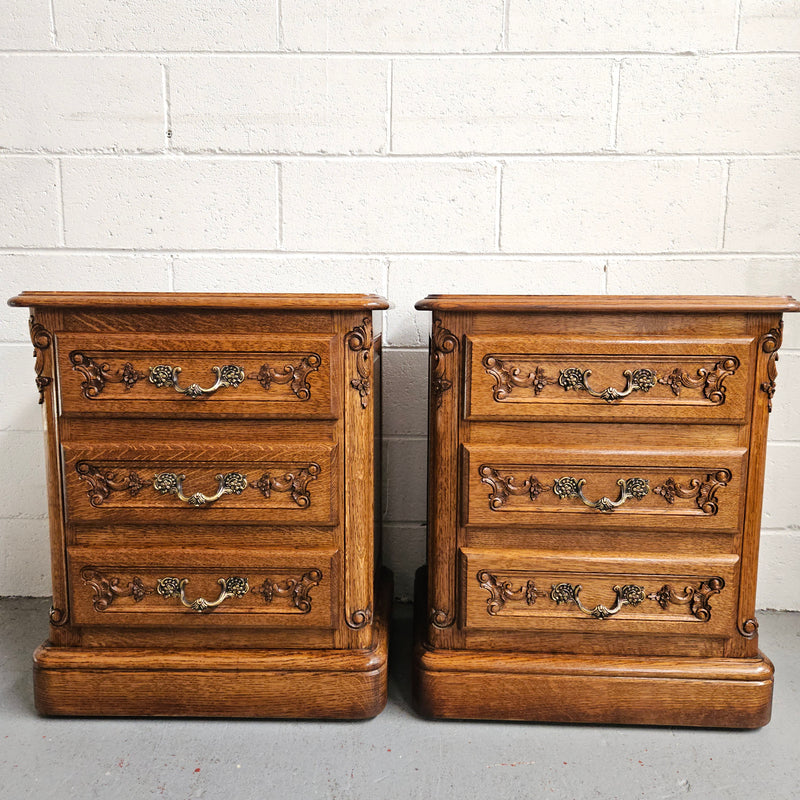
(214, 533)
(596, 468)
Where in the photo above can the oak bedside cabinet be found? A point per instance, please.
(596, 468)
(212, 466)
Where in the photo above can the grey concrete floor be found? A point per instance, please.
(395, 755)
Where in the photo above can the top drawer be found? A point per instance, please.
(610, 380)
(197, 376)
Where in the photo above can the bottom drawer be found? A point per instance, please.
(526, 590)
(203, 588)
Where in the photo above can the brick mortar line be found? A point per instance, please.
(452, 157)
(599, 257)
(374, 54)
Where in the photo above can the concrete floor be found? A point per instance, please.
(396, 755)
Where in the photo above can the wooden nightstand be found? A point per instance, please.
(212, 474)
(596, 467)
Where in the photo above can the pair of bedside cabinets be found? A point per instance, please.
(595, 478)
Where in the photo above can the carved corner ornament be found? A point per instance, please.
(41, 339)
(440, 618)
(359, 340)
(58, 617)
(770, 343)
(359, 618)
(442, 343)
(748, 628)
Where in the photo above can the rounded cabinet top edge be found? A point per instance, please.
(210, 300)
(594, 304)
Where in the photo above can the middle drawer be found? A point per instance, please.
(184, 484)
(697, 490)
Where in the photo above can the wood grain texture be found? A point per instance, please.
(210, 464)
(595, 504)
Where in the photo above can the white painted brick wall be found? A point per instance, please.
(222, 25)
(500, 105)
(709, 105)
(400, 147)
(377, 26)
(623, 25)
(272, 104)
(769, 25)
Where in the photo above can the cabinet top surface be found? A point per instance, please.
(683, 304)
(212, 300)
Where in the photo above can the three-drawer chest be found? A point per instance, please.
(212, 464)
(596, 467)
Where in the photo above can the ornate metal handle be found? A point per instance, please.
(164, 375)
(231, 587)
(639, 380)
(628, 595)
(635, 488)
(171, 483)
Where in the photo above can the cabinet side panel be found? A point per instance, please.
(444, 395)
(44, 325)
(359, 477)
(769, 330)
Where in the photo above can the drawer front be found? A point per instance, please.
(688, 491)
(197, 376)
(286, 484)
(518, 590)
(562, 378)
(203, 588)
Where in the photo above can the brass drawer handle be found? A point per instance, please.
(628, 595)
(231, 587)
(635, 488)
(163, 375)
(171, 483)
(639, 380)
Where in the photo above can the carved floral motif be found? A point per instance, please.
(104, 480)
(297, 589)
(442, 343)
(503, 591)
(296, 482)
(359, 340)
(508, 376)
(296, 375)
(41, 339)
(96, 375)
(505, 486)
(695, 597)
(703, 492)
(770, 343)
(106, 589)
(710, 381)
